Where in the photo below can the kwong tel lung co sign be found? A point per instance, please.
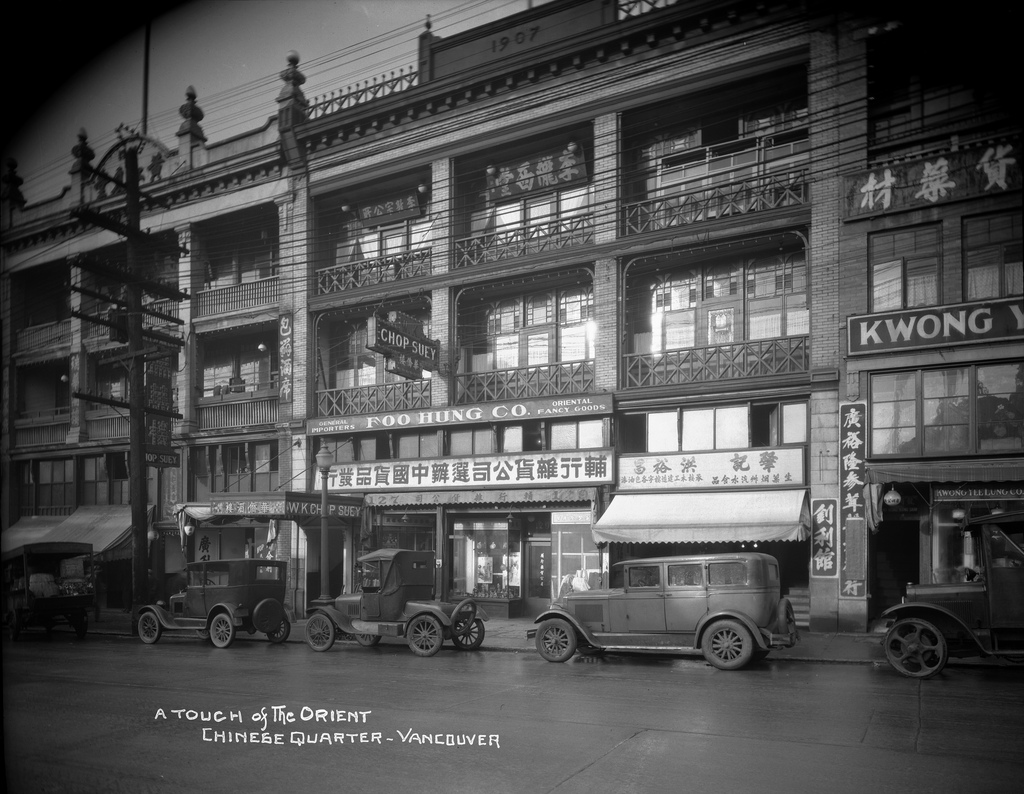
(938, 326)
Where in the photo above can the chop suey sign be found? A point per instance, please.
(940, 326)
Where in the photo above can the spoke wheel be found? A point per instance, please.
(470, 639)
(320, 632)
(149, 628)
(425, 635)
(463, 616)
(281, 633)
(728, 645)
(222, 630)
(916, 648)
(367, 640)
(556, 640)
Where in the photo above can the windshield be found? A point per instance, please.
(1002, 551)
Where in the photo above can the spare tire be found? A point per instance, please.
(268, 615)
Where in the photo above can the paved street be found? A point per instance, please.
(111, 714)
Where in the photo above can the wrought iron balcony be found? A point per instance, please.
(520, 241)
(760, 358)
(42, 427)
(262, 292)
(220, 414)
(41, 337)
(104, 424)
(368, 272)
(549, 380)
(405, 396)
(736, 198)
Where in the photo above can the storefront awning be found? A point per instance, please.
(705, 517)
(30, 529)
(982, 470)
(106, 527)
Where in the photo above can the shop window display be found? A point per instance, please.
(486, 560)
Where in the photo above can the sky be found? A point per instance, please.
(74, 67)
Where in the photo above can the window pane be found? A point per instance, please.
(887, 285)
(512, 439)
(663, 431)
(1000, 407)
(794, 423)
(698, 430)
(538, 349)
(644, 576)
(462, 442)
(591, 434)
(563, 435)
(893, 413)
(506, 351)
(945, 410)
(732, 428)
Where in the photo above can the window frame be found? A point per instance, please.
(908, 264)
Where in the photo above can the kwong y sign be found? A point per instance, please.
(400, 339)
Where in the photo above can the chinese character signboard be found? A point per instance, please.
(852, 510)
(158, 426)
(546, 172)
(765, 467)
(287, 505)
(981, 171)
(582, 467)
(391, 209)
(400, 339)
(939, 326)
(286, 357)
(824, 545)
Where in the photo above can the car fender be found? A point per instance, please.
(166, 618)
(414, 609)
(341, 620)
(713, 617)
(931, 612)
(568, 617)
(237, 614)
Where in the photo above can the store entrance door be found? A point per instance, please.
(538, 575)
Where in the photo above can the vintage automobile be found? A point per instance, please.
(397, 601)
(982, 614)
(726, 606)
(48, 584)
(221, 597)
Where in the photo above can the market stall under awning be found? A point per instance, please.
(705, 517)
(106, 527)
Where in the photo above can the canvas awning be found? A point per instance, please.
(106, 527)
(30, 529)
(964, 470)
(705, 517)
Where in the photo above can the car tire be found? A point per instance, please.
(785, 618)
(222, 630)
(320, 633)
(556, 640)
(149, 628)
(203, 634)
(728, 645)
(367, 640)
(267, 615)
(463, 621)
(425, 635)
(471, 639)
(281, 633)
(916, 648)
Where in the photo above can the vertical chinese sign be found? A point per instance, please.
(852, 513)
(824, 540)
(286, 357)
(159, 397)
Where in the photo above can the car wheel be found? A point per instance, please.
(786, 618)
(916, 648)
(556, 640)
(728, 645)
(203, 634)
(267, 615)
(320, 632)
(281, 633)
(80, 623)
(149, 628)
(425, 635)
(222, 630)
(463, 616)
(367, 640)
(472, 638)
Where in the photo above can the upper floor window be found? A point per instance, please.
(44, 390)
(241, 249)
(992, 256)
(533, 215)
(345, 360)
(530, 330)
(966, 410)
(749, 426)
(905, 268)
(362, 244)
(240, 364)
(225, 468)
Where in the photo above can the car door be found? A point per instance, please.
(641, 605)
(686, 596)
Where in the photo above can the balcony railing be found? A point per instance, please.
(524, 240)
(550, 380)
(164, 306)
(369, 272)
(761, 358)
(42, 427)
(407, 396)
(40, 337)
(261, 292)
(103, 425)
(242, 413)
(738, 198)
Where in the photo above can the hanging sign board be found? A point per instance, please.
(400, 339)
(390, 209)
(549, 171)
